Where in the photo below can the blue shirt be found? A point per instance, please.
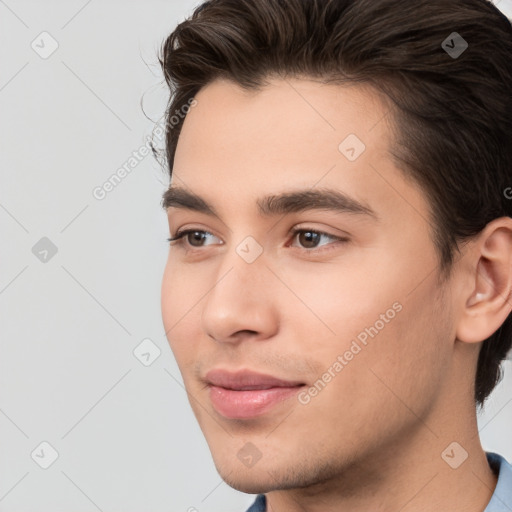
(501, 500)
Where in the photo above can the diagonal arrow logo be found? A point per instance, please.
(454, 45)
(249, 455)
(44, 250)
(249, 249)
(147, 352)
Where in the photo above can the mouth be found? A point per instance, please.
(247, 394)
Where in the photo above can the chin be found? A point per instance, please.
(250, 483)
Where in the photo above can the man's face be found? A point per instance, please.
(354, 316)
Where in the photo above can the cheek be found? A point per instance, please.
(399, 370)
(403, 366)
(182, 288)
(169, 293)
(364, 289)
(180, 302)
(341, 299)
(392, 341)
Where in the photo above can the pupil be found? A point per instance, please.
(197, 236)
(310, 239)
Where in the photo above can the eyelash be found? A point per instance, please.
(181, 240)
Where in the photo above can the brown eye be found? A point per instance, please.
(313, 241)
(309, 239)
(195, 238)
(191, 237)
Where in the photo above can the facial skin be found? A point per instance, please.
(373, 437)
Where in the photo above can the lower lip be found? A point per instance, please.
(247, 404)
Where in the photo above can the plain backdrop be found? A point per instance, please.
(80, 276)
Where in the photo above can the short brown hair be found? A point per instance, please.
(453, 114)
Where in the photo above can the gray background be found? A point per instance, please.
(124, 432)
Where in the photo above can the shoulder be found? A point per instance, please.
(501, 500)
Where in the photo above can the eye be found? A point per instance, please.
(193, 237)
(311, 238)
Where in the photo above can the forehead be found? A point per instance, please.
(293, 122)
(239, 145)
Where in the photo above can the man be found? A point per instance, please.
(337, 291)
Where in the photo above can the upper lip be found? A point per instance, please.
(246, 380)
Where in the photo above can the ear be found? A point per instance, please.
(488, 301)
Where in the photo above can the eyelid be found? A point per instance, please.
(180, 235)
(307, 227)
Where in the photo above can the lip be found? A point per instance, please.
(244, 379)
(246, 394)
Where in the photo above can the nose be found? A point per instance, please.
(242, 303)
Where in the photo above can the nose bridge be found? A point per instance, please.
(240, 299)
(243, 268)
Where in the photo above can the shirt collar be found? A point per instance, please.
(501, 500)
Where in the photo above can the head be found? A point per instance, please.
(354, 122)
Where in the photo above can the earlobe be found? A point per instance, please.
(489, 302)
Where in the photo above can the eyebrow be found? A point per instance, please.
(294, 201)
